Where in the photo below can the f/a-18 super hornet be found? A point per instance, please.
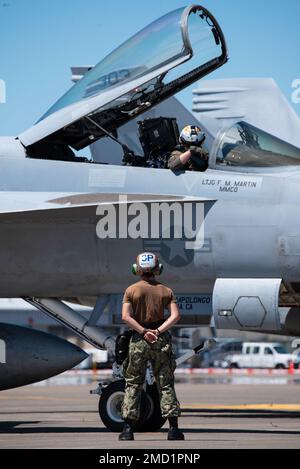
(242, 259)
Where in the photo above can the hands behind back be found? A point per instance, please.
(151, 337)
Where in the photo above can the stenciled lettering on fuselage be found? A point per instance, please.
(233, 184)
(193, 303)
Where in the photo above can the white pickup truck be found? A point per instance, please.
(262, 355)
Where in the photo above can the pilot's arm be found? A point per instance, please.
(179, 160)
(199, 158)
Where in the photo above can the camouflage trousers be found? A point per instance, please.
(160, 355)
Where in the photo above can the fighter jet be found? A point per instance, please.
(245, 252)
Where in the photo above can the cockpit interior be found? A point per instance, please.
(246, 146)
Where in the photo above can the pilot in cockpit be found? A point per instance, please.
(190, 155)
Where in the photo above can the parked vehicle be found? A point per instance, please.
(262, 355)
(216, 356)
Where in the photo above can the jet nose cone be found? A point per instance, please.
(72, 355)
(65, 353)
(29, 356)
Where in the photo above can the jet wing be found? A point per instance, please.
(23, 202)
(162, 59)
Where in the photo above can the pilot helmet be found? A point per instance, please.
(192, 135)
(147, 263)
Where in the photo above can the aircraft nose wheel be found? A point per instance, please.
(110, 407)
(114, 406)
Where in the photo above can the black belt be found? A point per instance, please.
(153, 325)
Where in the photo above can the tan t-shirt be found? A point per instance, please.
(148, 299)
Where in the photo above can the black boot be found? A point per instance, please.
(174, 433)
(127, 433)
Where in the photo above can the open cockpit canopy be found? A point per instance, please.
(159, 61)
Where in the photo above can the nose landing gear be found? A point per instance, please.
(111, 397)
(110, 406)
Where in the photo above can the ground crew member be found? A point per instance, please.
(190, 155)
(143, 312)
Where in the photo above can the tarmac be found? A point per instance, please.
(214, 416)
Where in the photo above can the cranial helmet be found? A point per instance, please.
(192, 135)
(147, 263)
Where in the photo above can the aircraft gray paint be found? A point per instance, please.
(42, 356)
(49, 250)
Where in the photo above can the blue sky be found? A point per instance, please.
(41, 39)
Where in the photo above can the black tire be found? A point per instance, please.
(280, 367)
(233, 366)
(154, 421)
(110, 407)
